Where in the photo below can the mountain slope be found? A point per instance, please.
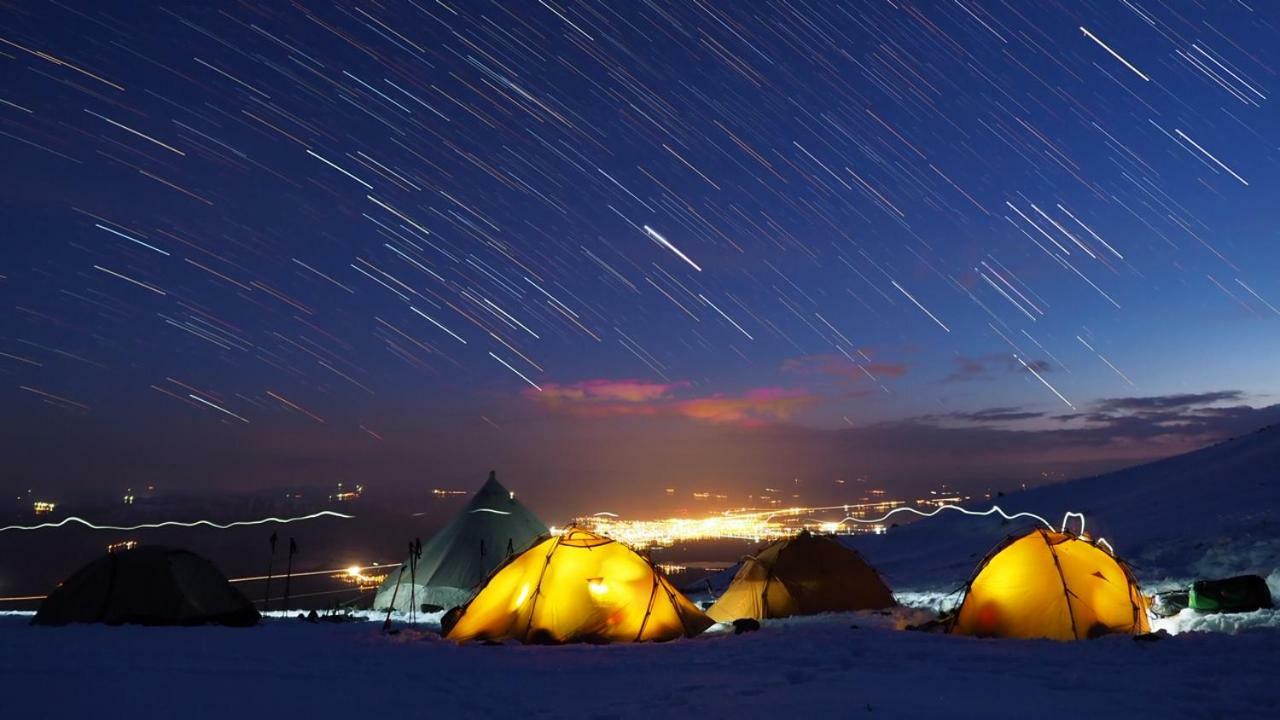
(1211, 512)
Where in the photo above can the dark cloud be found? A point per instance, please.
(986, 367)
(1165, 402)
(998, 414)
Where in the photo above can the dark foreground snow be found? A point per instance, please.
(799, 668)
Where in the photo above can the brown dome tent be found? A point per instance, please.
(1049, 584)
(803, 575)
(149, 585)
(577, 587)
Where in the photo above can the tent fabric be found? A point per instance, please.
(1056, 585)
(803, 575)
(578, 587)
(148, 585)
(492, 527)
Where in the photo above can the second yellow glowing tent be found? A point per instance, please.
(578, 587)
(1056, 585)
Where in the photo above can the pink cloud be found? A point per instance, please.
(615, 398)
(761, 406)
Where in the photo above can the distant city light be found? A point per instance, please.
(752, 525)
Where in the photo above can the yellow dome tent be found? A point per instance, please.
(802, 575)
(578, 587)
(1048, 584)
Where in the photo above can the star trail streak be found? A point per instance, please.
(322, 218)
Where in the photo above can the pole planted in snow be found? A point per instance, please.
(386, 625)
(415, 553)
(288, 573)
(266, 596)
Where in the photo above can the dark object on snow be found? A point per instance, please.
(1151, 636)
(745, 625)
(450, 619)
(429, 608)
(149, 585)
(1168, 604)
(938, 625)
(1244, 593)
(313, 617)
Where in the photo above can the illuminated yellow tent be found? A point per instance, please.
(577, 587)
(802, 575)
(1048, 584)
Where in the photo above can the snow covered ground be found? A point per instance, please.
(804, 667)
(1207, 514)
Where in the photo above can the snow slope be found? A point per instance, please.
(807, 667)
(1214, 512)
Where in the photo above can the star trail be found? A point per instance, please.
(313, 217)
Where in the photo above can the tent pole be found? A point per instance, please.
(266, 596)
(288, 573)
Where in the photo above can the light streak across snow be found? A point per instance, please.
(176, 523)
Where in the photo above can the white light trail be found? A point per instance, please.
(726, 317)
(922, 308)
(666, 244)
(1251, 292)
(1044, 382)
(1091, 232)
(1211, 157)
(176, 523)
(517, 372)
(1105, 360)
(130, 239)
(344, 172)
(994, 510)
(139, 283)
(1114, 54)
(1031, 222)
(217, 407)
(433, 322)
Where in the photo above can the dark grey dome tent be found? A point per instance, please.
(492, 527)
(148, 585)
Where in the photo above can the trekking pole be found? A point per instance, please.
(288, 573)
(387, 624)
(266, 596)
(415, 553)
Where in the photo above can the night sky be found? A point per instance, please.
(609, 248)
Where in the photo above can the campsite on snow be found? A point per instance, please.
(1169, 614)
(654, 359)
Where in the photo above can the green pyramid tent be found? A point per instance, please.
(149, 585)
(492, 527)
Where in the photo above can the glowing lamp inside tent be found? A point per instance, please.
(524, 595)
(597, 586)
